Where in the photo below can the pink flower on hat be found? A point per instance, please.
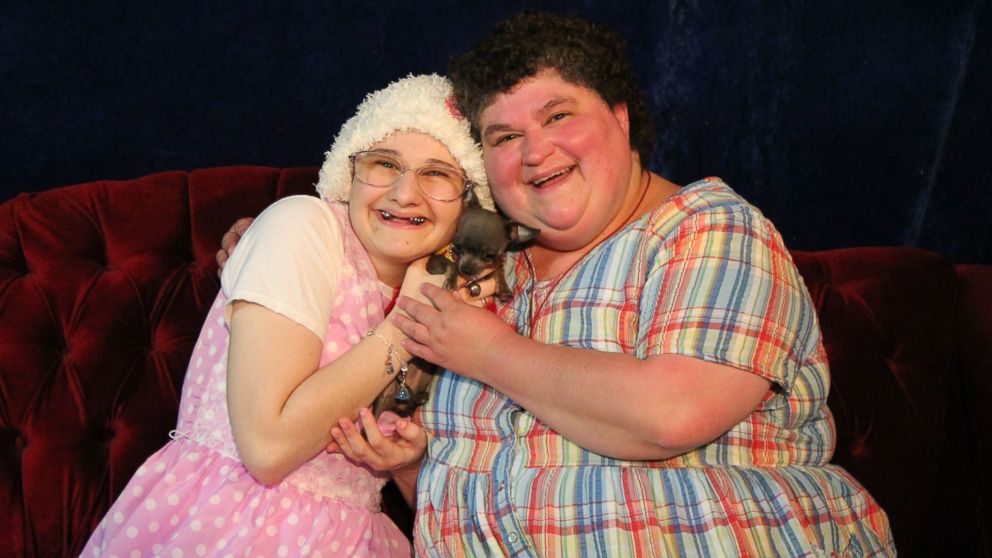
(452, 105)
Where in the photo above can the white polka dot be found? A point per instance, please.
(300, 540)
(259, 521)
(193, 456)
(141, 471)
(225, 470)
(192, 510)
(138, 490)
(221, 544)
(210, 333)
(173, 500)
(135, 554)
(305, 551)
(174, 520)
(332, 347)
(292, 519)
(217, 367)
(345, 318)
(199, 362)
(286, 503)
(160, 467)
(118, 518)
(354, 339)
(132, 532)
(214, 500)
(157, 549)
(344, 515)
(209, 414)
(170, 478)
(199, 379)
(177, 553)
(149, 504)
(283, 551)
(335, 546)
(196, 525)
(317, 554)
(96, 551)
(238, 496)
(237, 517)
(271, 530)
(243, 531)
(350, 550)
(367, 535)
(254, 502)
(219, 522)
(153, 527)
(201, 550)
(213, 350)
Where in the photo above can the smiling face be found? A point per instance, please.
(559, 159)
(398, 224)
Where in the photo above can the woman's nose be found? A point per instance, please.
(406, 189)
(537, 146)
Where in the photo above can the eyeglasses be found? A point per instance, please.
(438, 182)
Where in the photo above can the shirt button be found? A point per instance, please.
(512, 537)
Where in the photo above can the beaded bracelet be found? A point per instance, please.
(403, 392)
(389, 349)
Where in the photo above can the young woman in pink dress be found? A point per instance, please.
(296, 340)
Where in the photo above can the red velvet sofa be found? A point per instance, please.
(103, 287)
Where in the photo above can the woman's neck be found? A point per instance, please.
(651, 191)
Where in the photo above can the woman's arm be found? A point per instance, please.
(282, 407)
(612, 404)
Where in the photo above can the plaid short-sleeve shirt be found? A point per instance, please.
(705, 275)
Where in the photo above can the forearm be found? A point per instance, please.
(282, 409)
(619, 405)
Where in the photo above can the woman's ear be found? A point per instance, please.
(623, 117)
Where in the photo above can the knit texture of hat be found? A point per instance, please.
(413, 104)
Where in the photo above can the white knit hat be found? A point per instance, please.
(413, 104)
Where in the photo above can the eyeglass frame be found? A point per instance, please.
(466, 190)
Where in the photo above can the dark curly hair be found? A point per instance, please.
(582, 52)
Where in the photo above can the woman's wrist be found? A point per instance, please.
(390, 337)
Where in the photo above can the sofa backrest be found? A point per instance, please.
(103, 289)
(888, 322)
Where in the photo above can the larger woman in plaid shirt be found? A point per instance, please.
(661, 388)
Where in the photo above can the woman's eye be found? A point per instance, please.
(557, 116)
(438, 172)
(505, 138)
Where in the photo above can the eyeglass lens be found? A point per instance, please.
(440, 182)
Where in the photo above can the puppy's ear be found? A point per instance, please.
(520, 234)
(470, 200)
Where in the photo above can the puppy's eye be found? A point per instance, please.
(455, 249)
(489, 257)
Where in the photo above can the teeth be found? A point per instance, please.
(412, 220)
(547, 178)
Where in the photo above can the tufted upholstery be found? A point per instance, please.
(103, 287)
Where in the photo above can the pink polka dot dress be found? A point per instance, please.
(195, 498)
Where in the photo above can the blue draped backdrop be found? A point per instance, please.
(849, 123)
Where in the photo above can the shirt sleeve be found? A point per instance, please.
(729, 293)
(290, 262)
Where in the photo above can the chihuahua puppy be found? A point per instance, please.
(481, 241)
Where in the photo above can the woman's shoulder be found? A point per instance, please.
(299, 216)
(709, 198)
